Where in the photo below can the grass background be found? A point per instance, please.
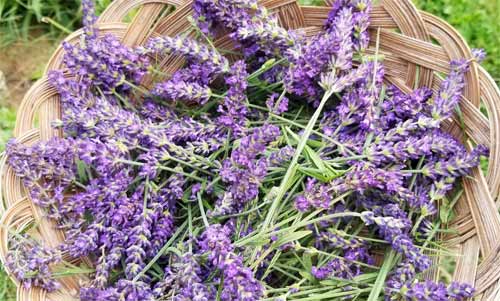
(31, 29)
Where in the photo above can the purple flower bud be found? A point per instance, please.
(244, 171)
(233, 108)
(478, 54)
(183, 91)
(315, 196)
(449, 92)
(190, 49)
(31, 263)
(456, 166)
(239, 281)
(279, 108)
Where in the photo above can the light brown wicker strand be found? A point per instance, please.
(477, 221)
(410, 23)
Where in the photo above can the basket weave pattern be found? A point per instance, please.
(412, 42)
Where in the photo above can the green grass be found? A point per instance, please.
(21, 19)
(477, 21)
(7, 121)
(7, 288)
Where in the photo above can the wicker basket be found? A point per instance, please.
(411, 41)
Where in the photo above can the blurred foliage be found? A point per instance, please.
(7, 288)
(21, 19)
(7, 122)
(477, 21)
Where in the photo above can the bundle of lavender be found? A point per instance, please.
(292, 173)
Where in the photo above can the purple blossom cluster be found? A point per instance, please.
(244, 179)
(105, 62)
(245, 169)
(402, 285)
(184, 279)
(347, 266)
(233, 109)
(31, 262)
(330, 51)
(239, 281)
(250, 25)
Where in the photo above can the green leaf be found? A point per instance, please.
(315, 158)
(313, 172)
(389, 258)
(307, 275)
(309, 142)
(289, 237)
(307, 260)
(81, 170)
(36, 6)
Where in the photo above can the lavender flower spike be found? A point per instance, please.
(449, 93)
(181, 90)
(191, 49)
(89, 17)
(30, 263)
(478, 54)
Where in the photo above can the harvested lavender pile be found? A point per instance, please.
(286, 169)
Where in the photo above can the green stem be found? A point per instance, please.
(181, 172)
(266, 66)
(294, 123)
(382, 275)
(202, 211)
(56, 24)
(293, 164)
(190, 220)
(161, 252)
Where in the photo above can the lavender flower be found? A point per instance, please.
(394, 231)
(347, 266)
(361, 20)
(456, 166)
(266, 33)
(478, 54)
(366, 177)
(357, 105)
(89, 18)
(414, 147)
(194, 51)
(460, 291)
(184, 91)
(281, 156)
(138, 242)
(183, 282)
(239, 282)
(399, 107)
(209, 14)
(447, 97)
(233, 109)
(316, 195)
(361, 13)
(278, 107)
(250, 25)
(402, 285)
(310, 60)
(123, 290)
(243, 172)
(31, 263)
(47, 169)
(216, 239)
(105, 63)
